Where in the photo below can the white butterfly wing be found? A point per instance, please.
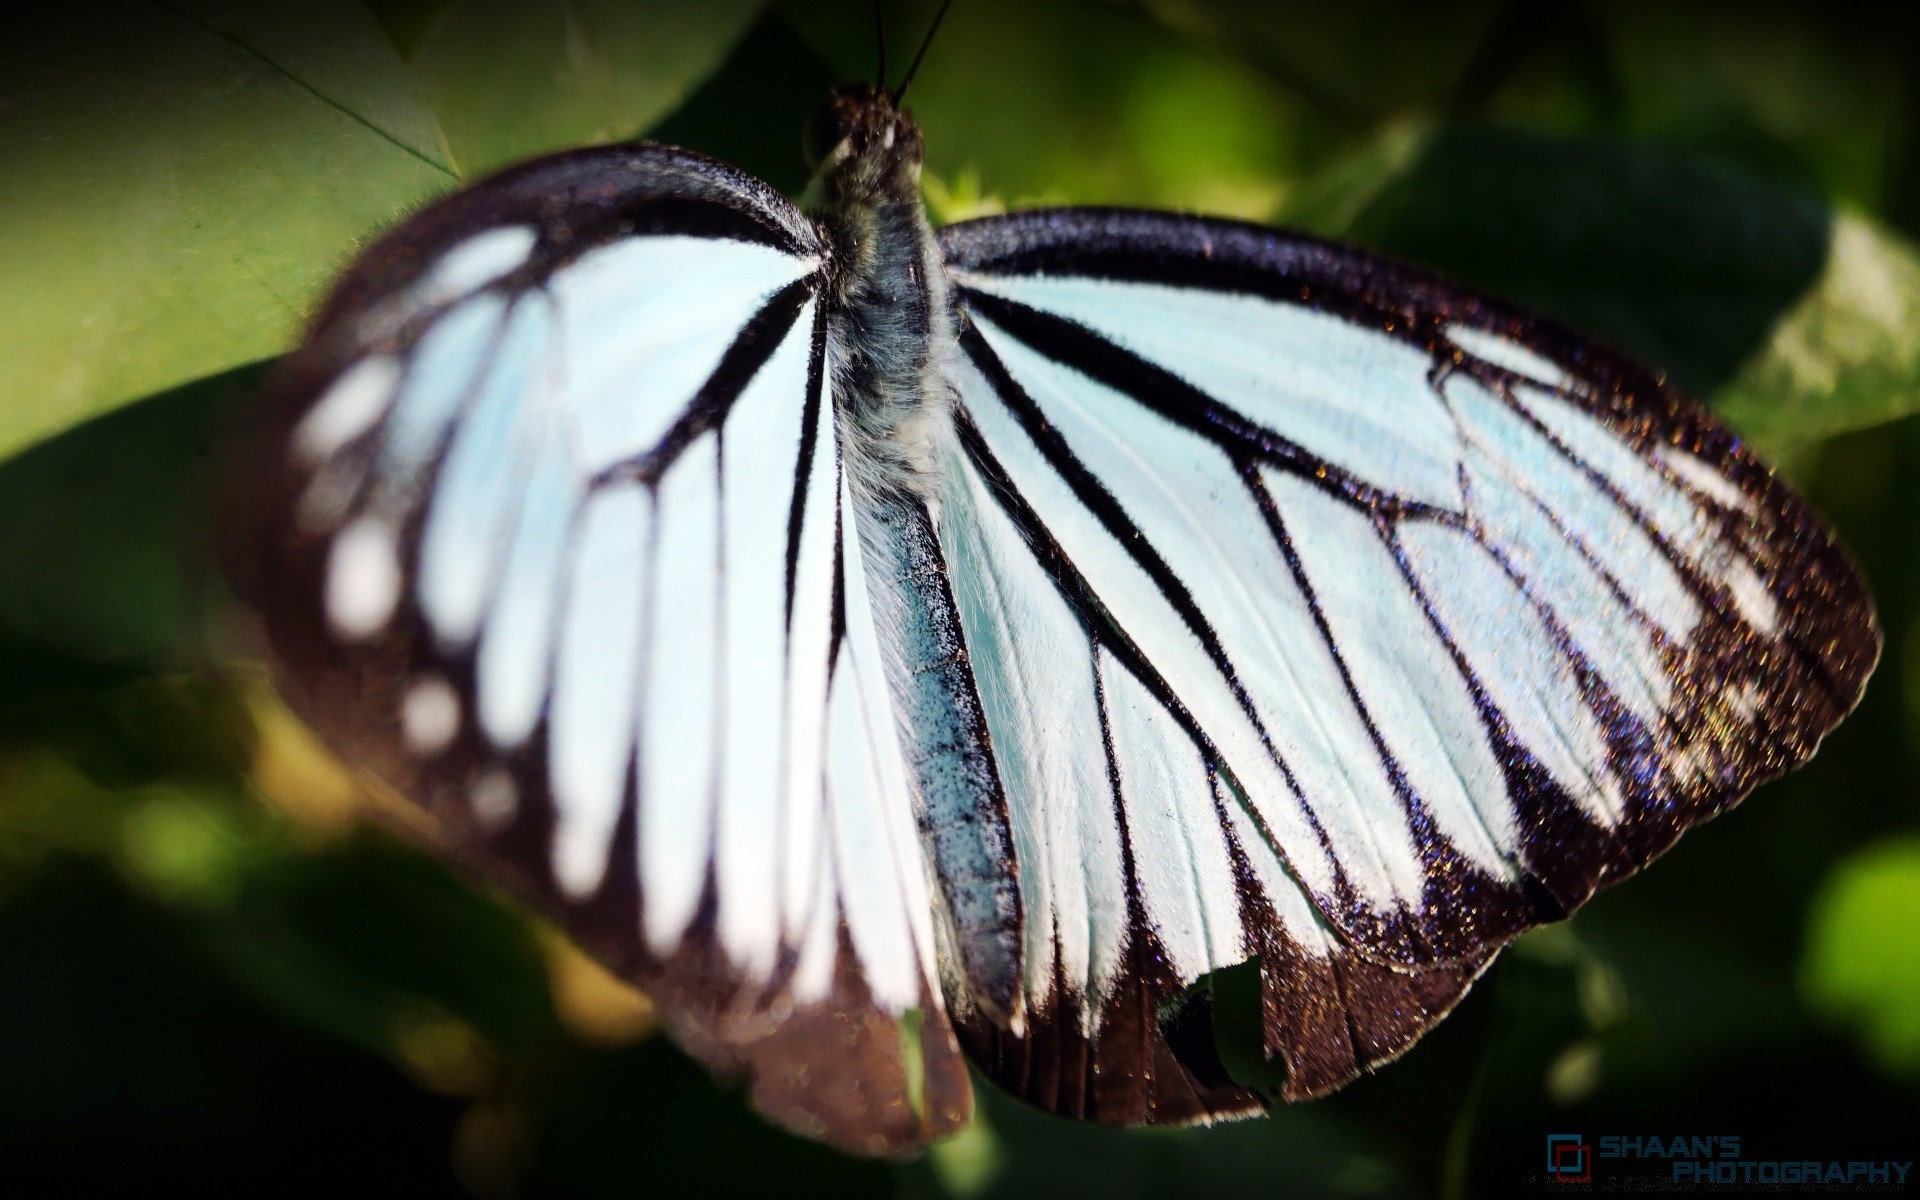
(1328, 613)
(558, 542)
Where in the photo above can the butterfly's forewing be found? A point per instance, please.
(1325, 612)
(554, 537)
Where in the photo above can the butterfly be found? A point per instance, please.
(890, 648)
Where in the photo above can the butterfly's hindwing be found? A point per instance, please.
(560, 545)
(1325, 612)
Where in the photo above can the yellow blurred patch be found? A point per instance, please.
(592, 1003)
(445, 1055)
(323, 796)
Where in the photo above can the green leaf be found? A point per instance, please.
(1796, 321)
(510, 79)
(1785, 89)
(182, 182)
(173, 201)
(1362, 58)
(1082, 104)
(333, 51)
(1862, 965)
(1847, 354)
(152, 778)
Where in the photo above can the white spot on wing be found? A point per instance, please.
(643, 323)
(763, 444)
(430, 715)
(1515, 450)
(1703, 477)
(1507, 354)
(1516, 660)
(1408, 682)
(1180, 857)
(495, 798)
(813, 973)
(353, 405)
(1138, 605)
(515, 662)
(482, 475)
(870, 884)
(363, 579)
(474, 263)
(1031, 660)
(1751, 595)
(808, 652)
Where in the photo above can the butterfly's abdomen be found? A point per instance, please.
(959, 806)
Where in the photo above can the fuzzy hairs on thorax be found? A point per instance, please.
(890, 321)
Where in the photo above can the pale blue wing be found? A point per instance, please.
(562, 547)
(1326, 613)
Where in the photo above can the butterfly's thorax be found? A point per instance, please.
(890, 323)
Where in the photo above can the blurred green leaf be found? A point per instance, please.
(1365, 58)
(1020, 1153)
(1862, 966)
(410, 23)
(132, 1058)
(369, 941)
(509, 79)
(1682, 263)
(332, 50)
(1846, 355)
(173, 200)
(1709, 185)
(1783, 89)
(181, 182)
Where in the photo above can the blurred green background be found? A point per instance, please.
(216, 964)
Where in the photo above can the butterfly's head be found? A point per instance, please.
(861, 141)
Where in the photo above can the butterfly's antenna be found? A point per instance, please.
(880, 34)
(913, 68)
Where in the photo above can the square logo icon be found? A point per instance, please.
(1569, 1160)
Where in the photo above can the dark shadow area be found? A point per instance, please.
(1679, 262)
(129, 1058)
(744, 113)
(107, 536)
